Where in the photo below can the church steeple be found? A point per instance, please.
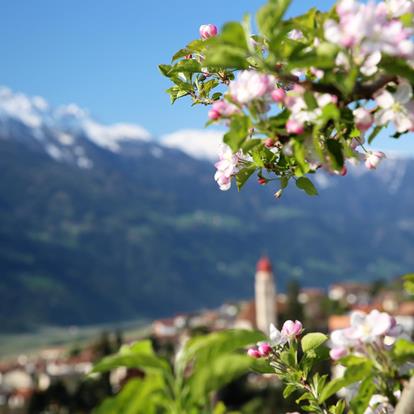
(265, 291)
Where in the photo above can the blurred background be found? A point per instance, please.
(112, 227)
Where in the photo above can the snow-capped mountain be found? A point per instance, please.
(103, 222)
(66, 132)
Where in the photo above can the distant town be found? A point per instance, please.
(58, 376)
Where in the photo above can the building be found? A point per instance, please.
(265, 294)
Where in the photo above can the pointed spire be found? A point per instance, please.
(264, 265)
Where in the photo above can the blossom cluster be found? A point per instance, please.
(227, 167)
(377, 328)
(303, 94)
(371, 30)
(278, 338)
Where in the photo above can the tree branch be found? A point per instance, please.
(406, 403)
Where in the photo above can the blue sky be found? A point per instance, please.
(103, 55)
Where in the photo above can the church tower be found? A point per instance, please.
(265, 291)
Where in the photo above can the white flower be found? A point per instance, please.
(368, 327)
(373, 158)
(396, 107)
(397, 8)
(276, 337)
(379, 404)
(227, 166)
(251, 85)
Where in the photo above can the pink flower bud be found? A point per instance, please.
(278, 95)
(344, 171)
(264, 349)
(188, 56)
(363, 119)
(208, 30)
(213, 114)
(292, 329)
(338, 353)
(294, 127)
(253, 352)
(269, 143)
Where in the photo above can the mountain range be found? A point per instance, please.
(102, 223)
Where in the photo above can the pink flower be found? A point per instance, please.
(208, 30)
(227, 167)
(278, 95)
(363, 119)
(221, 109)
(294, 127)
(373, 159)
(254, 353)
(251, 85)
(264, 349)
(338, 353)
(292, 329)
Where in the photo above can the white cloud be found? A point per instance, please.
(109, 136)
(201, 144)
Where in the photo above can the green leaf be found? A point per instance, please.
(185, 66)
(353, 373)
(209, 347)
(238, 133)
(409, 283)
(310, 100)
(165, 69)
(139, 355)
(311, 341)
(269, 16)
(227, 57)
(289, 390)
(233, 34)
(335, 153)
(403, 350)
(361, 400)
(243, 175)
(216, 373)
(398, 67)
(306, 185)
(250, 144)
(138, 396)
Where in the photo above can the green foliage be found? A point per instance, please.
(306, 185)
(409, 283)
(205, 364)
(355, 372)
(312, 341)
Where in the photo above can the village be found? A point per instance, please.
(57, 374)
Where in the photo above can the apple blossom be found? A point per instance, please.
(208, 30)
(373, 158)
(338, 353)
(363, 119)
(397, 107)
(264, 349)
(251, 85)
(276, 337)
(222, 108)
(227, 166)
(292, 329)
(294, 127)
(254, 353)
(278, 95)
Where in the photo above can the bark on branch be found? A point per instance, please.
(406, 403)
